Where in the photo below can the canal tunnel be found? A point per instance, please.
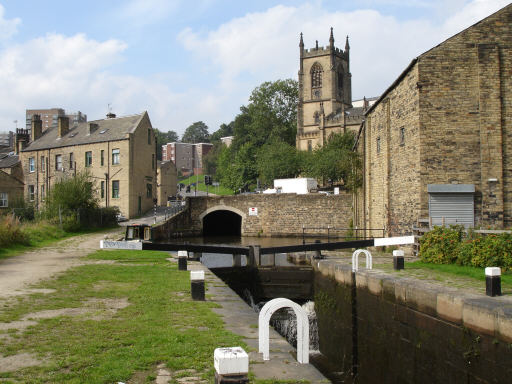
(222, 223)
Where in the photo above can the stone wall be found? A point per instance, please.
(387, 329)
(278, 214)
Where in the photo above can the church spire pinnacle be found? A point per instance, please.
(347, 46)
(331, 39)
(301, 43)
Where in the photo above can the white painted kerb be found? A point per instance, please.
(132, 245)
(400, 240)
(302, 328)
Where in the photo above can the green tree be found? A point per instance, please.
(164, 138)
(211, 159)
(336, 161)
(277, 160)
(223, 131)
(73, 193)
(196, 133)
(238, 169)
(270, 114)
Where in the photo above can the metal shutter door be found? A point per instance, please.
(456, 208)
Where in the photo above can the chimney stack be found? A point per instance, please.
(21, 139)
(92, 127)
(37, 128)
(111, 115)
(63, 125)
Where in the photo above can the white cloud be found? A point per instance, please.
(8, 28)
(264, 45)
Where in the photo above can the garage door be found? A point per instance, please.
(452, 204)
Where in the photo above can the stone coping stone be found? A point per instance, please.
(487, 315)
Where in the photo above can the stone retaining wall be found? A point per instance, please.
(390, 329)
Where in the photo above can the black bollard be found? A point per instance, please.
(318, 254)
(182, 260)
(493, 281)
(197, 285)
(398, 260)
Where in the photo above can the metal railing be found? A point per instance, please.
(174, 207)
(340, 233)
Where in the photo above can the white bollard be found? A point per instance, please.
(197, 285)
(231, 365)
(493, 281)
(182, 260)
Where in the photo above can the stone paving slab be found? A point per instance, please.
(242, 320)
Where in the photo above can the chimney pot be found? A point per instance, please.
(92, 127)
(111, 115)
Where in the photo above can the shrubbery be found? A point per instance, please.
(454, 246)
(10, 231)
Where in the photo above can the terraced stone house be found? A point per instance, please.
(118, 152)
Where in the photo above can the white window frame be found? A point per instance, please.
(4, 199)
(31, 192)
(58, 162)
(116, 156)
(31, 164)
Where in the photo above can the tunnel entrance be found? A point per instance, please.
(222, 223)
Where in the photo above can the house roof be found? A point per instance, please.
(108, 130)
(7, 161)
(416, 59)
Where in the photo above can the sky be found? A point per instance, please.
(199, 60)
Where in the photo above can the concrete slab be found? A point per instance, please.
(242, 320)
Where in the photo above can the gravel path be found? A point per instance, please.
(17, 273)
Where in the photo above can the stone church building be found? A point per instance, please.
(325, 95)
(437, 144)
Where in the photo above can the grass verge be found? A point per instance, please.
(455, 275)
(40, 235)
(159, 324)
(220, 190)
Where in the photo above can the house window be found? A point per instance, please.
(310, 146)
(149, 136)
(31, 164)
(115, 156)
(102, 157)
(115, 189)
(43, 192)
(31, 192)
(153, 161)
(149, 190)
(102, 189)
(43, 165)
(402, 136)
(4, 200)
(58, 162)
(71, 160)
(88, 158)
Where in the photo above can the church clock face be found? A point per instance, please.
(317, 93)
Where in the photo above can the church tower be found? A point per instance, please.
(325, 93)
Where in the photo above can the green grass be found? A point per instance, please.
(454, 275)
(161, 324)
(220, 190)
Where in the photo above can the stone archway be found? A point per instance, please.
(227, 217)
(302, 328)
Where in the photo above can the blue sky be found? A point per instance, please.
(186, 61)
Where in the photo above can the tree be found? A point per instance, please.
(196, 133)
(71, 194)
(336, 161)
(223, 131)
(277, 160)
(164, 138)
(237, 168)
(270, 114)
(211, 159)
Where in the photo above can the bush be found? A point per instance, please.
(10, 232)
(439, 246)
(452, 245)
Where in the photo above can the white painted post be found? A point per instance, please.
(302, 328)
(231, 363)
(355, 259)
